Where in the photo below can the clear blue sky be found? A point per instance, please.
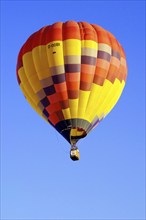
(38, 179)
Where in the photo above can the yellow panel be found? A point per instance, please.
(79, 133)
(115, 98)
(73, 104)
(22, 75)
(110, 98)
(103, 98)
(30, 100)
(31, 93)
(72, 47)
(83, 100)
(28, 63)
(89, 43)
(55, 54)
(30, 71)
(66, 113)
(41, 61)
(35, 83)
(73, 132)
(108, 92)
(92, 103)
(32, 103)
(26, 85)
(103, 95)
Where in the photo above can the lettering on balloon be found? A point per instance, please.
(53, 45)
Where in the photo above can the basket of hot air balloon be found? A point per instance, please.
(72, 74)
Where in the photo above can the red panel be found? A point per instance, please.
(60, 115)
(54, 118)
(63, 96)
(71, 30)
(64, 104)
(58, 97)
(54, 98)
(53, 33)
(54, 107)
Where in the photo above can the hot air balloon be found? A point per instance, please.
(72, 74)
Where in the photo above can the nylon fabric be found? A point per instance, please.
(72, 74)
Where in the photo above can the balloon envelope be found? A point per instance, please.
(72, 74)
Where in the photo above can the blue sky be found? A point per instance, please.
(38, 179)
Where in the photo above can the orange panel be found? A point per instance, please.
(71, 30)
(101, 72)
(122, 52)
(102, 63)
(72, 77)
(85, 68)
(102, 35)
(87, 77)
(87, 31)
(73, 85)
(60, 87)
(85, 86)
(113, 41)
(115, 62)
(98, 80)
(112, 73)
(122, 73)
(73, 94)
